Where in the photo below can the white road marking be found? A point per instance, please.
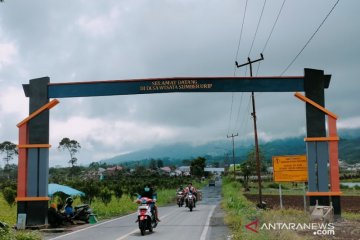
(206, 228)
(137, 229)
(96, 225)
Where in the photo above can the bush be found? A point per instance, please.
(117, 191)
(91, 189)
(8, 234)
(105, 196)
(273, 185)
(9, 195)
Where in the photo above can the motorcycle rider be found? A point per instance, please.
(55, 218)
(192, 190)
(149, 192)
(180, 189)
(69, 210)
(180, 195)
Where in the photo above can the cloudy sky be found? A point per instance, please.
(88, 40)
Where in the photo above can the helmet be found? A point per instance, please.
(69, 200)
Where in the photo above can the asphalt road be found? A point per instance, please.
(203, 223)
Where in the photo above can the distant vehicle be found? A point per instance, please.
(212, 183)
(217, 178)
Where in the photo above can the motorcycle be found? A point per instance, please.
(82, 212)
(190, 201)
(180, 198)
(146, 215)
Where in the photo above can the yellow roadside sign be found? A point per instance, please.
(291, 168)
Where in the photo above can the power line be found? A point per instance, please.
(244, 124)
(240, 37)
(236, 56)
(312, 36)
(231, 107)
(233, 150)
(273, 27)
(238, 113)
(257, 28)
(271, 32)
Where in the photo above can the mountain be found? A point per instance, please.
(176, 152)
(218, 151)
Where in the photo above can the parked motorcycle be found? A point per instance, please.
(190, 201)
(180, 198)
(146, 215)
(82, 212)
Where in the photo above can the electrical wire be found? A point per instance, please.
(238, 114)
(240, 36)
(257, 27)
(271, 32)
(312, 36)
(231, 107)
(244, 124)
(273, 27)
(236, 56)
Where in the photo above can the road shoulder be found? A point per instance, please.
(218, 230)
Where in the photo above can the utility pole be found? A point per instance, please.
(253, 114)
(232, 136)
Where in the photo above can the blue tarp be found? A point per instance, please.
(53, 188)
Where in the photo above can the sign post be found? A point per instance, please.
(290, 169)
(280, 193)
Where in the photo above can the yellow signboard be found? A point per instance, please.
(290, 168)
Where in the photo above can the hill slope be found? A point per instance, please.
(349, 150)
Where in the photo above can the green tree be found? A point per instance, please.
(106, 195)
(72, 146)
(197, 167)
(249, 167)
(160, 163)
(91, 188)
(153, 164)
(94, 166)
(117, 191)
(252, 158)
(9, 195)
(8, 149)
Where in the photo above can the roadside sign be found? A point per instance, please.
(291, 168)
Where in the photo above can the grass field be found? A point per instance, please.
(240, 212)
(7, 213)
(289, 189)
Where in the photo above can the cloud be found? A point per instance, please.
(349, 123)
(100, 25)
(108, 133)
(10, 103)
(8, 54)
(109, 40)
